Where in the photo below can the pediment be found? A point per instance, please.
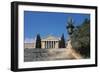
(50, 37)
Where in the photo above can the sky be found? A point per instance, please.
(49, 23)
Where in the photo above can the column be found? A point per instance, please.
(45, 44)
(54, 44)
(57, 44)
(51, 44)
(48, 44)
(42, 44)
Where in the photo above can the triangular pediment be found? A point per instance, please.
(50, 37)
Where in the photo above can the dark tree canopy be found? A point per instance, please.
(62, 42)
(81, 38)
(38, 41)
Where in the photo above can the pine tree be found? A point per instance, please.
(62, 42)
(59, 43)
(38, 41)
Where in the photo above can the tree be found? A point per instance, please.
(59, 43)
(62, 42)
(81, 39)
(38, 41)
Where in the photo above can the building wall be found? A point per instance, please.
(29, 45)
(42, 44)
(44, 41)
(57, 45)
(32, 45)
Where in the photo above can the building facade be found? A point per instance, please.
(29, 45)
(50, 42)
(47, 42)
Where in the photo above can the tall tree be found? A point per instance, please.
(38, 41)
(59, 43)
(62, 42)
(81, 39)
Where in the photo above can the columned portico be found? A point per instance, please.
(50, 42)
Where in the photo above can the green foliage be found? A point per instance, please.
(81, 39)
(38, 41)
(62, 42)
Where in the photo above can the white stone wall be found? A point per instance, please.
(29, 45)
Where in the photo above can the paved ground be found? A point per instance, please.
(46, 54)
(39, 54)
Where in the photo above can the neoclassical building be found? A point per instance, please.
(50, 42)
(47, 42)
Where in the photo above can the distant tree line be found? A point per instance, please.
(81, 38)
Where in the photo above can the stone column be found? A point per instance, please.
(57, 44)
(45, 44)
(52, 44)
(48, 44)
